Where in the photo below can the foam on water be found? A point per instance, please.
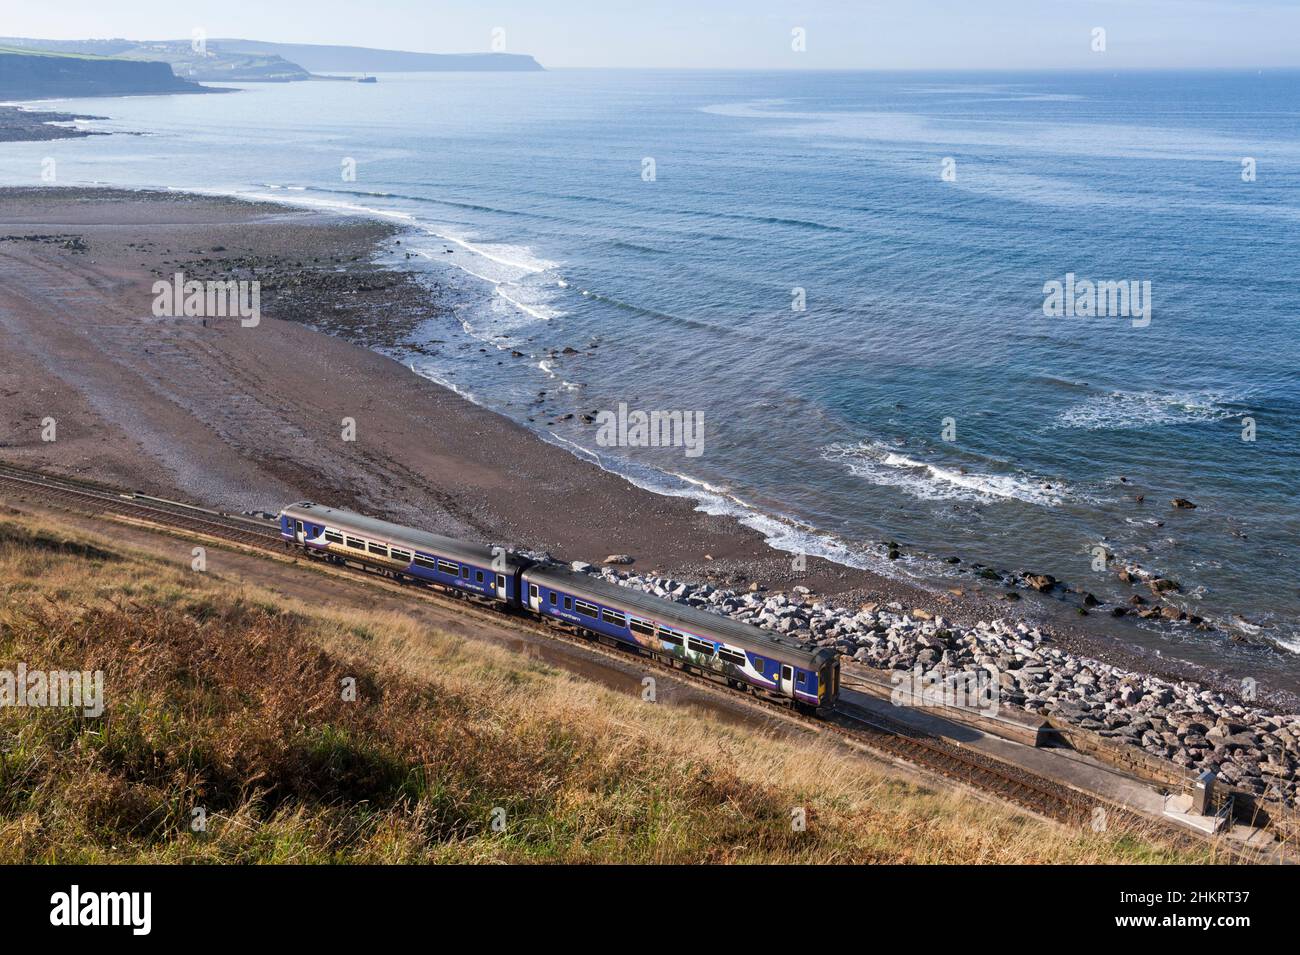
(883, 465)
(1131, 410)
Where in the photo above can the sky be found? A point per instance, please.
(726, 34)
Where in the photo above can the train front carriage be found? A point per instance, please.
(745, 656)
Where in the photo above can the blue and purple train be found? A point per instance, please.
(745, 657)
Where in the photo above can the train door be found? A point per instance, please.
(787, 680)
(299, 534)
(501, 591)
(534, 598)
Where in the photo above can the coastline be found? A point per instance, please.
(303, 404)
(23, 125)
(249, 418)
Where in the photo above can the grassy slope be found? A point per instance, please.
(26, 51)
(229, 699)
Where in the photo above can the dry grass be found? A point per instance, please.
(229, 699)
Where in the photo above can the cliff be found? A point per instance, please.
(30, 74)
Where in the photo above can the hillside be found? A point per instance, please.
(33, 74)
(235, 60)
(352, 59)
(218, 64)
(226, 698)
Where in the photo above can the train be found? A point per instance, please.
(760, 662)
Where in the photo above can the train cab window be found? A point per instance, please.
(551, 595)
(356, 544)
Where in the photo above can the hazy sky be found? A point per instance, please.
(840, 34)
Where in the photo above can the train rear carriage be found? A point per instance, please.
(765, 662)
(490, 572)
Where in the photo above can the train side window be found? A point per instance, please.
(802, 678)
(464, 573)
(400, 554)
(334, 537)
(551, 595)
(447, 567)
(588, 610)
(356, 544)
(641, 626)
(380, 549)
(422, 561)
(758, 664)
(700, 646)
(613, 617)
(478, 576)
(568, 603)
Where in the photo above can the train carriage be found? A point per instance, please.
(745, 655)
(477, 569)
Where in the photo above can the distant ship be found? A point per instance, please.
(367, 79)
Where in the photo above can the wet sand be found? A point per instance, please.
(250, 418)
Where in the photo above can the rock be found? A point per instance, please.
(618, 559)
(1162, 585)
(1184, 503)
(580, 566)
(1040, 582)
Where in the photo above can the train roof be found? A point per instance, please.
(676, 615)
(389, 533)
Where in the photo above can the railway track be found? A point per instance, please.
(1031, 791)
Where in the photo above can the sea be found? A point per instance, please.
(855, 283)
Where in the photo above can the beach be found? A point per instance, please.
(251, 418)
(105, 378)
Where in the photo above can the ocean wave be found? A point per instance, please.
(881, 464)
(780, 532)
(1136, 410)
